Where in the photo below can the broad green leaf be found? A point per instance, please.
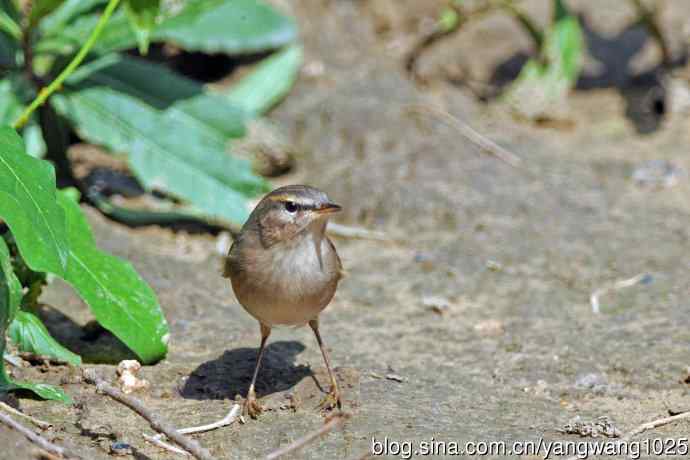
(10, 288)
(268, 83)
(14, 89)
(9, 48)
(116, 35)
(543, 84)
(33, 137)
(43, 390)
(156, 212)
(10, 104)
(165, 151)
(163, 89)
(29, 334)
(28, 206)
(142, 17)
(10, 297)
(227, 26)
(10, 20)
(120, 299)
(66, 12)
(41, 8)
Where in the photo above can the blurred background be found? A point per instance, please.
(516, 214)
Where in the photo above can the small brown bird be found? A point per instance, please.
(284, 269)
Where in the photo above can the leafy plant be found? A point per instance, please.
(546, 79)
(174, 132)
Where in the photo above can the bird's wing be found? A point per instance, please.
(341, 270)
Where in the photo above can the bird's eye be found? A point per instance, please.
(290, 206)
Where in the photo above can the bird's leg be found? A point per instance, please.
(251, 405)
(332, 399)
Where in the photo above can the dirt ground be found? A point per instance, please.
(510, 255)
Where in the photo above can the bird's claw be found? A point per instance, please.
(252, 407)
(331, 400)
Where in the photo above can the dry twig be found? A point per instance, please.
(39, 423)
(358, 233)
(470, 134)
(229, 419)
(158, 424)
(655, 424)
(37, 439)
(156, 440)
(594, 298)
(333, 422)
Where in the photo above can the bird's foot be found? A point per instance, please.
(331, 400)
(252, 407)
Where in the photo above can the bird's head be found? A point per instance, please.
(290, 212)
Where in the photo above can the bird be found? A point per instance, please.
(284, 271)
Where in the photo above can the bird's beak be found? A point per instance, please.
(328, 208)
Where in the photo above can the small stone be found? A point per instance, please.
(438, 305)
(591, 381)
(657, 174)
(120, 448)
(395, 378)
(127, 376)
(489, 328)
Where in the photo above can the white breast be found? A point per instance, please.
(300, 284)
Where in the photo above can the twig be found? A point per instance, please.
(646, 427)
(473, 136)
(56, 84)
(359, 233)
(594, 298)
(37, 439)
(156, 440)
(229, 419)
(655, 424)
(648, 17)
(154, 420)
(39, 423)
(335, 421)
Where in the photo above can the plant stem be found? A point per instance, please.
(530, 26)
(648, 17)
(56, 84)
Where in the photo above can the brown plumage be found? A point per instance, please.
(283, 268)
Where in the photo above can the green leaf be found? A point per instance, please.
(117, 35)
(166, 152)
(33, 137)
(543, 84)
(41, 8)
(11, 105)
(165, 90)
(10, 288)
(10, 298)
(66, 12)
(29, 334)
(10, 19)
(28, 206)
(268, 83)
(120, 299)
(227, 26)
(448, 20)
(142, 17)
(43, 390)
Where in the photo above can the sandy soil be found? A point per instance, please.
(514, 253)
